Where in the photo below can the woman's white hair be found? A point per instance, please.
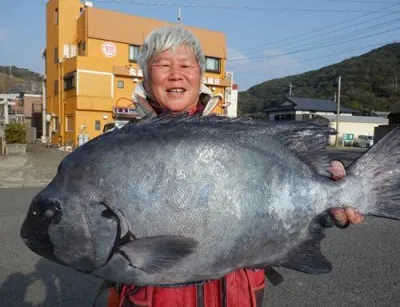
(169, 37)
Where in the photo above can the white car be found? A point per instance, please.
(364, 141)
(111, 126)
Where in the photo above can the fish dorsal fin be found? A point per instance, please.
(308, 141)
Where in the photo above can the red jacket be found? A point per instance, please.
(243, 288)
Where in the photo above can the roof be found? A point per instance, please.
(358, 119)
(380, 113)
(323, 105)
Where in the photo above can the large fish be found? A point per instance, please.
(177, 200)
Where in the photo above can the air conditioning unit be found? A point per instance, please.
(66, 53)
(72, 50)
(69, 51)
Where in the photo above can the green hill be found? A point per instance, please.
(370, 82)
(19, 80)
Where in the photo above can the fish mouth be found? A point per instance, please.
(38, 241)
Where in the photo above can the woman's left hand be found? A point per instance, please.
(347, 215)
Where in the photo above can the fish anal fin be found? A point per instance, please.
(307, 256)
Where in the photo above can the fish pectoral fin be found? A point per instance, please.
(307, 256)
(154, 254)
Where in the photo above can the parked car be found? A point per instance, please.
(111, 126)
(366, 141)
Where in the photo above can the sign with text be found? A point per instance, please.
(348, 137)
(109, 49)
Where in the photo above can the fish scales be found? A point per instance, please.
(177, 199)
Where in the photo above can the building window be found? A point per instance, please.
(285, 117)
(56, 16)
(69, 81)
(213, 64)
(55, 87)
(97, 125)
(56, 55)
(69, 123)
(120, 84)
(134, 53)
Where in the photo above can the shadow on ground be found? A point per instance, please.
(49, 285)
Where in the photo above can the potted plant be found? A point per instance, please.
(15, 135)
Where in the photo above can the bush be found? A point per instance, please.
(15, 133)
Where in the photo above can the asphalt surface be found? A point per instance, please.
(365, 258)
(27, 280)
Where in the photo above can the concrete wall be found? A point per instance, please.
(15, 149)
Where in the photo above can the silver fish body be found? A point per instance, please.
(177, 199)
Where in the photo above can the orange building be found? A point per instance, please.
(91, 69)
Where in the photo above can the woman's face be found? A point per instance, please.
(174, 79)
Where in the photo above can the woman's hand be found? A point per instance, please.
(347, 215)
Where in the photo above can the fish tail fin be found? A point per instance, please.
(378, 171)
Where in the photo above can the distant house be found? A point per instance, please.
(323, 112)
(23, 108)
(295, 108)
(353, 125)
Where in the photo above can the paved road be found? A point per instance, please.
(26, 280)
(35, 169)
(365, 258)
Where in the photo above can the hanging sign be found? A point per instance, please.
(109, 49)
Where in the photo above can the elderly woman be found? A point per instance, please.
(173, 65)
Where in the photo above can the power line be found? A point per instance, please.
(329, 45)
(361, 1)
(249, 8)
(310, 59)
(299, 37)
(328, 39)
(166, 3)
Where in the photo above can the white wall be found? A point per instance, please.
(322, 113)
(355, 128)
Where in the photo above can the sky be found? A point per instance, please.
(266, 39)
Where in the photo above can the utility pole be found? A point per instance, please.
(290, 89)
(5, 103)
(338, 111)
(179, 17)
(44, 133)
